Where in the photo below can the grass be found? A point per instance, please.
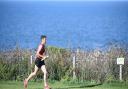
(60, 85)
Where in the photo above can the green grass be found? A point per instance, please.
(60, 85)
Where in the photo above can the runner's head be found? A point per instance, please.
(43, 39)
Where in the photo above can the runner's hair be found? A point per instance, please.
(43, 36)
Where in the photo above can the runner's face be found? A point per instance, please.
(44, 40)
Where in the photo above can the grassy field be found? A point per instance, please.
(59, 85)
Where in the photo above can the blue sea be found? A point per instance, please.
(66, 24)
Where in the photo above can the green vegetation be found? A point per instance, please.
(61, 85)
(96, 66)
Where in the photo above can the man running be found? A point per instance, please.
(39, 63)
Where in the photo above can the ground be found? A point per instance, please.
(60, 85)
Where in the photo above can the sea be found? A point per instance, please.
(67, 24)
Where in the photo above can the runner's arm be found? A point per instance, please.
(38, 54)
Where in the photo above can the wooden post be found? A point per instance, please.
(120, 73)
(74, 63)
(31, 62)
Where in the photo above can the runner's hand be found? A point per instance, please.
(45, 57)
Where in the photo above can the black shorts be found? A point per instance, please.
(39, 63)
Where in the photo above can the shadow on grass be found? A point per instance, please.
(86, 86)
(70, 87)
(83, 86)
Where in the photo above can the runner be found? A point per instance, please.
(39, 63)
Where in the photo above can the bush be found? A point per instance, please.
(91, 65)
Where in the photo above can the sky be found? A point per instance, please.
(63, 0)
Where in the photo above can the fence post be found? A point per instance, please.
(74, 62)
(31, 62)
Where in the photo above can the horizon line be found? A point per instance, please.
(65, 0)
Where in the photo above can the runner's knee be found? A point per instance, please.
(34, 73)
(45, 72)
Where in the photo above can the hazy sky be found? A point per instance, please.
(63, 0)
